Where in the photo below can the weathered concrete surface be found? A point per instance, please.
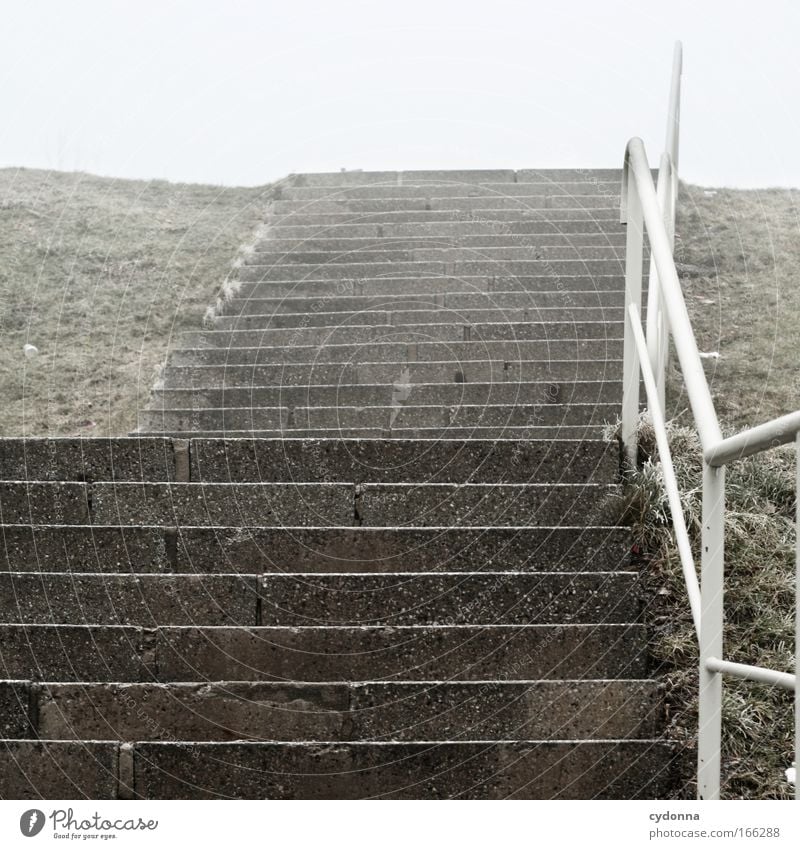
(254, 550)
(445, 599)
(215, 711)
(402, 460)
(468, 268)
(144, 600)
(268, 711)
(223, 504)
(23, 503)
(87, 548)
(450, 505)
(62, 770)
(366, 549)
(361, 372)
(76, 653)
(402, 352)
(482, 653)
(15, 710)
(535, 770)
(71, 459)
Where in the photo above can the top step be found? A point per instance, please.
(400, 178)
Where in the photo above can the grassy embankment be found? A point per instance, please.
(99, 274)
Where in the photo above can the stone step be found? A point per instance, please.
(404, 461)
(388, 416)
(407, 334)
(522, 434)
(379, 711)
(556, 226)
(501, 598)
(82, 459)
(469, 176)
(299, 599)
(142, 600)
(539, 202)
(579, 188)
(364, 178)
(428, 286)
(308, 504)
(401, 318)
(504, 253)
(619, 769)
(401, 352)
(584, 299)
(313, 654)
(291, 374)
(257, 550)
(548, 241)
(402, 391)
(297, 271)
(578, 217)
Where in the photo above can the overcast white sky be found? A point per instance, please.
(243, 92)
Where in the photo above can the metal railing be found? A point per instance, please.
(651, 210)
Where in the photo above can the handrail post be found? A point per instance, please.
(657, 331)
(633, 296)
(674, 109)
(711, 617)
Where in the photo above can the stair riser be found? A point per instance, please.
(302, 461)
(396, 416)
(301, 600)
(144, 601)
(579, 770)
(262, 550)
(451, 505)
(470, 371)
(418, 177)
(306, 254)
(575, 188)
(326, 290)
(551, 269)
(354, 227)
(434, 316)
(371, 242)
(401, 461)
(407, 334)
(531, 301)
(330, 712)
(430, 433)
(496, 392)
(499, 599)
(521, 204)
(577, 350)
(465, 177)
(321, 505)
(481, 219)
(73, 653)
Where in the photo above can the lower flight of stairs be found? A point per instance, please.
(379, 551)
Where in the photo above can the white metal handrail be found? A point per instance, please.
(651, 210)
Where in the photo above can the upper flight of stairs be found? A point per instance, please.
(367, 540)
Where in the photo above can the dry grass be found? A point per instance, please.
(99, 274)
(758, 729)
(740, 267)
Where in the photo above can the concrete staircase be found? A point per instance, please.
(365, 542)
